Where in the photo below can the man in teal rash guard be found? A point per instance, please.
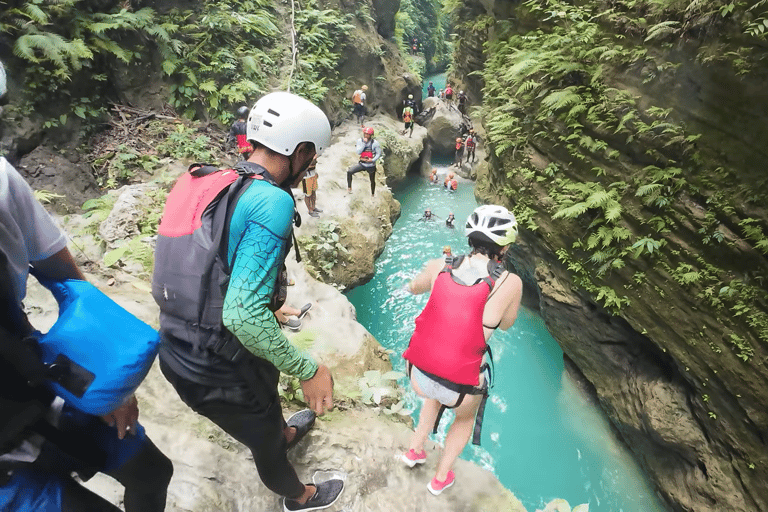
(287, 132)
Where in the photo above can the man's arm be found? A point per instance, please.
(376, 151)
(247, 316)
(58, 267)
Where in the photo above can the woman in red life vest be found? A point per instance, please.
(470, 297)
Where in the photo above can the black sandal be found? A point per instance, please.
(302, 421)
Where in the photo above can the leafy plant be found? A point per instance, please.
(184, 142)
(375, 387)
(45, 196)
(325, 247)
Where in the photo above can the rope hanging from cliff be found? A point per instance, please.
(294, 50)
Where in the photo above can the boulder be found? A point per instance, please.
(444, 123)
(360, 222)
(123, 221)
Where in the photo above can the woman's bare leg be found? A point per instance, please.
(458, 434)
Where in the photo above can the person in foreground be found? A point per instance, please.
(446, 352)
(239, 392)
(44, 441)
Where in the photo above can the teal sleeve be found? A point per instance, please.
(259, 232)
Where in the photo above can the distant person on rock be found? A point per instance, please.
(223, 348)
(445, 356)
(358, 104)
(462, 99)
(470, 143)
(441, 94)
(237, 135)
(430, 90)
(408, 120)
(449, 93)
(369, 150)
(459, 152)
(309, 185)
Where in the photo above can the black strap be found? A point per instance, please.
(464, 390)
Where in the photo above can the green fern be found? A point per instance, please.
(563, 98)
(663, 29)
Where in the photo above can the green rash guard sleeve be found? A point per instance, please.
(259, 232)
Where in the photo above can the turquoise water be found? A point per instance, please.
(541, 438)
(437, 80)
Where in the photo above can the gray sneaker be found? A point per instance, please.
(293, 323)
(326, 495)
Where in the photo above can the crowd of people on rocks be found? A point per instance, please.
(221, 285)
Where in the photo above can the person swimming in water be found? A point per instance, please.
(428, 215)
(449, 221)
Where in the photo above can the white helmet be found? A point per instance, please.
(2, 80)
(494, 223)
(281, 121)
(410, 96)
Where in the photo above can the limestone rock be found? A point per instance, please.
(444, 124)
(122, 222)
(362, 222)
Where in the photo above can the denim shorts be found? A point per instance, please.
(436, 391)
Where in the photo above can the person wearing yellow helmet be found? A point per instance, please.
(358, 104)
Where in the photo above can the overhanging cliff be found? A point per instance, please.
(627, 136)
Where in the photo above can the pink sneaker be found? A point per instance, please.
(436, 486)
(411, 457)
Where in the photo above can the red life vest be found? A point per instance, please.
(357, 97)
(470, 142)
(459, 144)
(454, 184)
(243, 146)
(407, 114)
(367, 150)
(448, 91)
(449, 341)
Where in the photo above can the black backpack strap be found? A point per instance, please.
(200, 169)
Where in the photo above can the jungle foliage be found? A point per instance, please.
(217, 56)
(622, 175)
(425, 21)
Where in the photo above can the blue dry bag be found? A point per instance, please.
(97, 351)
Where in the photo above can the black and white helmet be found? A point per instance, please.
(281, 121)
(492, 223)
(243, 112)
